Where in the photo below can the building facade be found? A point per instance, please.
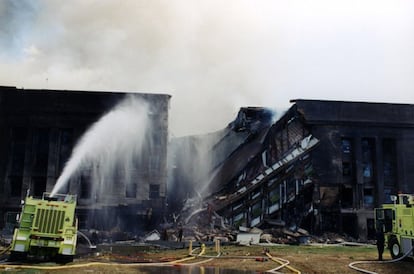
(40, 128)
(322, 166)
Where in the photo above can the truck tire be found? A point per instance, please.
(395, 249)
(64, 259)
(17, 256)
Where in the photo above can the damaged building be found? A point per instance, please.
(40, 128)
(322, 166)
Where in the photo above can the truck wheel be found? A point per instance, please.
(394, 247)
(64, 259)
(17, 256)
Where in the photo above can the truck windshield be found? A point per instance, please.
(384, 217)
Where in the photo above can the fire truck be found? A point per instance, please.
(396, 220)
(47, 229)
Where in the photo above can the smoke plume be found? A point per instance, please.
(212, 56)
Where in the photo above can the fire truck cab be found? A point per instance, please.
(396, 220)
(47, 228)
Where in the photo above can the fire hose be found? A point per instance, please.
(352, 265)
(283, 263)
(4, 251)
(93, 264)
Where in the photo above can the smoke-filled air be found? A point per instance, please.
(110, 148)
(213, 56)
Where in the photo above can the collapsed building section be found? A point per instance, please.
(38, 132)
(274, 184)
(323, 166)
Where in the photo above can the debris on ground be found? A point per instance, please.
(206, 234)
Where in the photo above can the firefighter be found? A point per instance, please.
(380, 241)
(180, 234)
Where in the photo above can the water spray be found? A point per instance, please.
(112, 146)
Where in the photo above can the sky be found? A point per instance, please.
(213, 56)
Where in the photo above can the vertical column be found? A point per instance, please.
(53, 159)
(379, 163)
(401, 175)
(5, 143)
(358, 192)
(27, 167)
(8, 156)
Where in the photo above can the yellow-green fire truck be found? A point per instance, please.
(396, 220)
(47, 229)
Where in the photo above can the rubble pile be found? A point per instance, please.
(208, 234)
(204, 234)
(198, 234)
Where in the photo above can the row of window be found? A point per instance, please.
(269, 198)
(369, 166)
(369, 160)
(130, 190)
(39, 141)
(38, 186)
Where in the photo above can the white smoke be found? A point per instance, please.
(212, 56)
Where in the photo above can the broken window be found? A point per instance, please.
(256, 209)
(346, 145)
(272, 181)
(368, 154)
(350, 225)
(368, 197)
(154, 191)
(347, 160)
(131, 190)
(295, 131)
(329, 196)
(255, 194)
(239, 219)
(273, 208)
(274, 196)
(237, 206)
(347, 197)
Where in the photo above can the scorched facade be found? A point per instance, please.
(38, 131)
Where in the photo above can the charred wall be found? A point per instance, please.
(269, 178)
(38, 130)
(363, 153)
(364, 156)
